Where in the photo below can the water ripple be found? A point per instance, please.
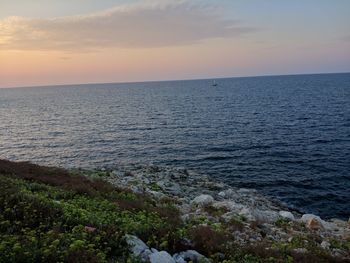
(286, 136)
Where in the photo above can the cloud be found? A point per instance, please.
(145, 24)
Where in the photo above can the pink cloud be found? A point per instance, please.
(147, 25)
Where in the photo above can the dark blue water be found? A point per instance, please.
(287, 136)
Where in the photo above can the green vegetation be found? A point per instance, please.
(283, 223)
(52, 215)
(155, 187)
(52, 219)
(215, 211)
(340, 245)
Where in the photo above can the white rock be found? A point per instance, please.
(145, 255)
(146, 180)
(178, 258)
(227, 193)
(222, 194)
(325, 244)
(203, 200)
(306, 217)
(329, 226)
(157, 195)
(247, 213)
(340, 223)
(264, 216)
(137, 246)
(161, 257)
(312, 220)
(193, 255)
(153, 250)
(287, 215)
(229, 205)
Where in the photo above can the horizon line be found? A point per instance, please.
(171, 80)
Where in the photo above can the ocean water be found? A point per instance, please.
(286, 136)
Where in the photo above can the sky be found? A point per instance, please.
(52, 42)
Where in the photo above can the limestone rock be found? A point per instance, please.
(156, 194)
(203, 200)
(194, 256)
(227, 194)
(287, 215)
(153, 250)
(313, 222)
(264, 216)
(247, 213)
(161, 257)
(306, 217)
(137, 246)
(229, 205)
(178, 258)
(325, 244)
(145, 255)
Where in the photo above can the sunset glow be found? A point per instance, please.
(158, 40)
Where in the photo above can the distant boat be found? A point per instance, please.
(214, 83)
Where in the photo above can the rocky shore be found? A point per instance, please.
(252, 218)
(154, 214)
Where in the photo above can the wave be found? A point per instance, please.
(218, 158)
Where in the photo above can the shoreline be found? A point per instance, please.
(194, 172)
(163, 214)
(195, 193)
(205, 182)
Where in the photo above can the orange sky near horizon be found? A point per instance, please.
(87, 49)
(123, 64)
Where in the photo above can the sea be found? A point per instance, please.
(286, 136)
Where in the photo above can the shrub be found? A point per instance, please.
(55, 177)
(208, 241)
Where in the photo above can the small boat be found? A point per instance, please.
(214, 83)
